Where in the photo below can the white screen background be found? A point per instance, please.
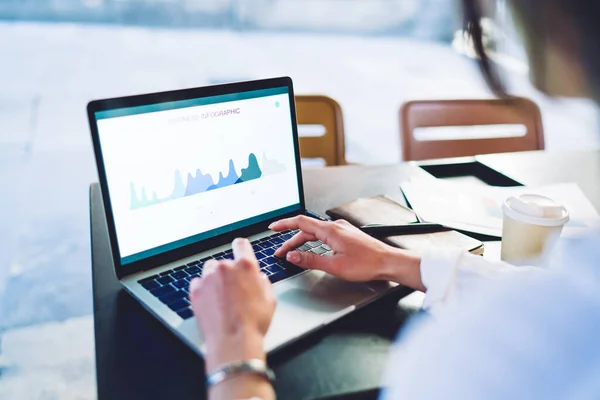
(146, 149)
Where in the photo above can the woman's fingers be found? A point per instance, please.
(296, 241)
(318, 229)
(267, 287)
(242, 249)
(195, 288)
(209, 267)
(308, 260)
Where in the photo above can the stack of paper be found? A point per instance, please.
(478, 208)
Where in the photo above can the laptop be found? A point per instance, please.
(183, 173)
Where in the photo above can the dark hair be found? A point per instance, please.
(542, 18)
(472, 26)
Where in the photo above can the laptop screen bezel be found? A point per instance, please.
(177, 95)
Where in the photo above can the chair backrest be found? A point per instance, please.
(325, 113)
(523, 116)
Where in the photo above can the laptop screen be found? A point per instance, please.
(183, 171)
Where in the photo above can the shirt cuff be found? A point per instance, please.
(438, 271)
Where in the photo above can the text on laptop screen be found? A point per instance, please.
(184, 171)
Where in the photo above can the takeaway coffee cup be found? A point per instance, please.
(531, 224)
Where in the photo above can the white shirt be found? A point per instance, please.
(496, 331)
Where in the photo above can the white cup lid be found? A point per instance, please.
(536, 209)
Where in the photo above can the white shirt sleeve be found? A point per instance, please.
(530, 337)
(449, 275)
(516, 333)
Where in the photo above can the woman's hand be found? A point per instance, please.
(357, 256)
(234, 304)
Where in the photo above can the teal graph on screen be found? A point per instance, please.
(200, 182)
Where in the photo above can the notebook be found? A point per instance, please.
(384, 210)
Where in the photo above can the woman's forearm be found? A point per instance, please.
(403, 267)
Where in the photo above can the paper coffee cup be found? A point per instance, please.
(531, 224)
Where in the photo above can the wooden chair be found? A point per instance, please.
(326, 112)
(519, 112)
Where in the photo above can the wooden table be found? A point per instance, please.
(137, 357)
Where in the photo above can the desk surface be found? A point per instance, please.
(139, 358)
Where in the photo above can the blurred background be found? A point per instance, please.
(56, 55)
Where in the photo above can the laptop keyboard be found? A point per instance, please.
(171, 287)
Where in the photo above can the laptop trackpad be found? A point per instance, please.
(313, 299)
(320, 292)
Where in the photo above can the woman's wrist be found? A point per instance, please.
(242, 345)
(403, 267)
(239, 346)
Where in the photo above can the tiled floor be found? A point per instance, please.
(49, 72)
